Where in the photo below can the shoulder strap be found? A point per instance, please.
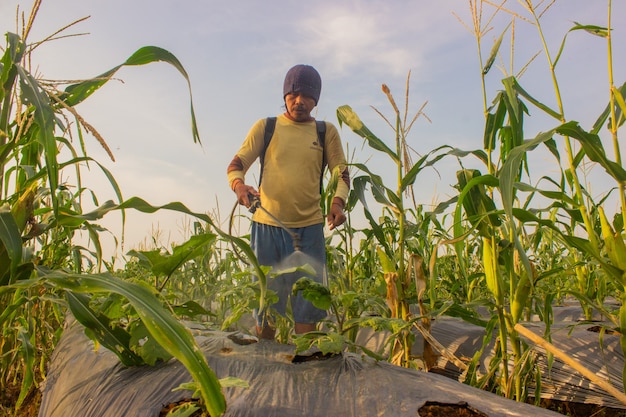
(321, 131)
(270, 125)
(321, 136)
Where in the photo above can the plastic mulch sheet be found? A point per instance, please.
(87, 383)
(581, 340)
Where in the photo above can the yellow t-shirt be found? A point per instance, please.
(290, 186)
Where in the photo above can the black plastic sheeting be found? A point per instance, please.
(87, 383)
(581, 340)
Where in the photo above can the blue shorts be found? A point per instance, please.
(273, 247)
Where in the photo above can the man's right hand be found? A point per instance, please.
(243, 191)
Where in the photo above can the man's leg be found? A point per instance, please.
(301, 328)
(267, 332)
(305, 314)
(266, 242)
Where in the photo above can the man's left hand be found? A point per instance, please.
(335, 217)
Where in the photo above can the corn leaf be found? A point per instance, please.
(592, 29)
(479, 207)
(33, 94)
(12, 55)
(424, 162)
(10, 246)
(381, 193)
(592, 146)
(359, 185)
(165, 264)
(145, 345)
(552, 195)
(315, 292)
(76, 93)
(607, 111)
(494, 122)
(28, 357)
(98, 328)
(518, 88)
(619, 99)
(509, 172)
(386, 262)
(346, 115)
(165, 329)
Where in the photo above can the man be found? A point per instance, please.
(290, 191)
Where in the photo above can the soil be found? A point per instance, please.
(30, 407)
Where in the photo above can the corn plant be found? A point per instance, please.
(392, 233)
(511, 275)
(41, 271)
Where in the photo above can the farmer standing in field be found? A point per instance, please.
(292, 166)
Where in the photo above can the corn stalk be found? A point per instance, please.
(392, 249)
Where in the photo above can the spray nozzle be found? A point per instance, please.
(255, 203)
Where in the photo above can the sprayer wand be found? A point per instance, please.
(255, 203)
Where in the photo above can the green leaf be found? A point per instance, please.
(346, 115)
(76, 93)
(509, 172)
(142, 343)
(331, 343)
(592, 29)
(594, 149)
(518, 88)
(28, 356)
(143, 206)
(552, 195)
(508, 180)
(10, 245)
(12, 55)
(165, 329)
(619, 99)
(191, 309)
(33, 94)
(164, 264)
(315, 292)
(585, 246)
(98, 328)
(232, 382)
(607, 111)
(423, 162)
(386, 263)
(379, 190)
(479, 207)
(183, 410)
(494, 122)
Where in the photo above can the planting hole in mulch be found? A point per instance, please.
(437, 409)
(188, 402)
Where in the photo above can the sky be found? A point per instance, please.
(237, 53)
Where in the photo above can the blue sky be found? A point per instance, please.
(237, 52)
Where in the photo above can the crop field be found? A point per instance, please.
(504, 251)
